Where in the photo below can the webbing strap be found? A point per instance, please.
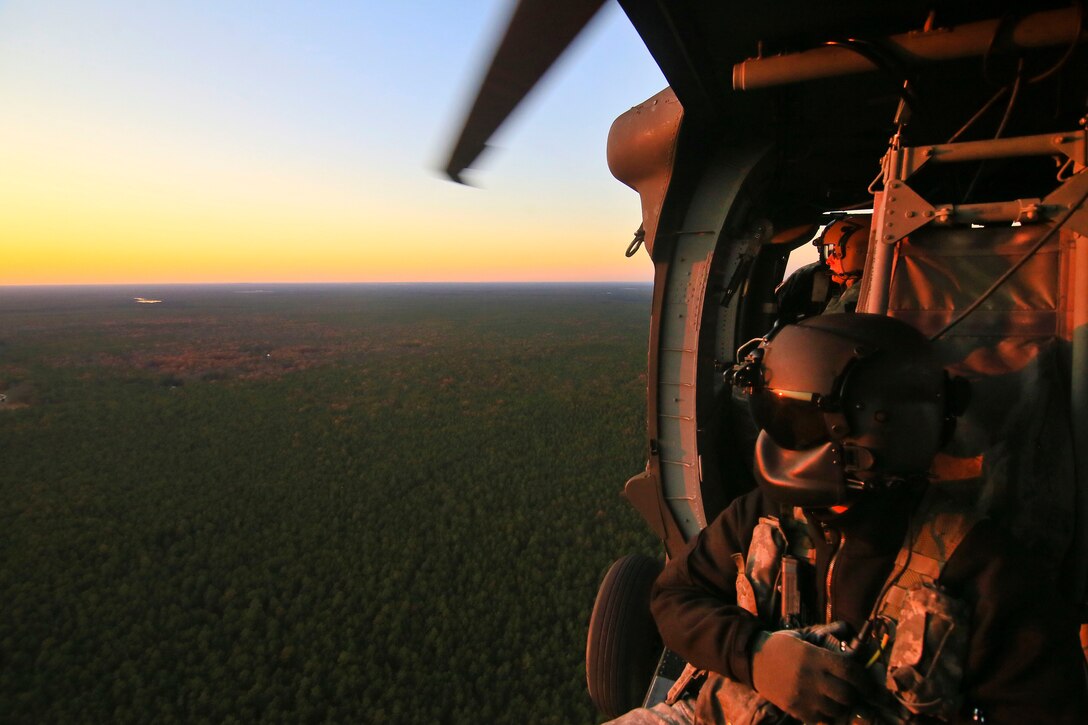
(940, 526)
(795, 525)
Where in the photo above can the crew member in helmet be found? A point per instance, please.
(846, 587)
(831, 284)
(846, 245)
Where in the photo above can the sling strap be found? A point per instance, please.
(940, 525)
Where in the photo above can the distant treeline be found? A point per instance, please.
(334, 505)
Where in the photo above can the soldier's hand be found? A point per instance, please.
(809, 682)
(829, 636)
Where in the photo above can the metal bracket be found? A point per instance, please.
(1069, 193)
(1074, 146)
(904, 211)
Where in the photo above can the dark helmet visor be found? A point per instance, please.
(792, 419)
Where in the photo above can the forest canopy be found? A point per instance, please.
(311, 504)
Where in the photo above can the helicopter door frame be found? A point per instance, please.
(700, 241)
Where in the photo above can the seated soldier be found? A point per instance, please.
(847, 587)
(846, 245)
(830, 285)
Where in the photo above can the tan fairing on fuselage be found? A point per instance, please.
(641, 153)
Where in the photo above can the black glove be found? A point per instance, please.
(832, 636)
(808, 681)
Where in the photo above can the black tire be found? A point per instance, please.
(623, 646)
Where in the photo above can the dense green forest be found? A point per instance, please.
(312, 504)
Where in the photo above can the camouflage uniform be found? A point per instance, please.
(1020, 660)
(844, 302)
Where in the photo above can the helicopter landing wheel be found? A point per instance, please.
(623, 646)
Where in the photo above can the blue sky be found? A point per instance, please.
(293, 141)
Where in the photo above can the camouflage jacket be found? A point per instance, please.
(1022, 660)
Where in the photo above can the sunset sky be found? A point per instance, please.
(257, 141)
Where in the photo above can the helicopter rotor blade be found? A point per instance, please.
(538, 33)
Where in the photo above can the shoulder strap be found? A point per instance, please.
(795, 526)
(939, 526)
(766, 579)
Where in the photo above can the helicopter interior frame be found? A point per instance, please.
(780, 157)
(991, 268)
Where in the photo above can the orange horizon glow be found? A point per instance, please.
(75, 213)
(75, 218)
(114, 241)
(112, 253)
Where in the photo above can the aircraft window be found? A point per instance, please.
(805, 254)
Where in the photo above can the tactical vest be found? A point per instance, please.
(915, 645)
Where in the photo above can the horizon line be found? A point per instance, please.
(648, 283)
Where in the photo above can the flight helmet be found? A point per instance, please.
(845, 245)
(846, 404)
